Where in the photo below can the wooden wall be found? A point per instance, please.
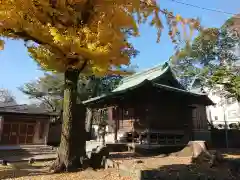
(200, 120)
(19, 123)
(157, 117)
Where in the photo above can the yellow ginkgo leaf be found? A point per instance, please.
(178, 18)
(77, 31)
(1, 44)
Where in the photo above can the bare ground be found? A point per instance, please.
(170, 167)
(39, 171)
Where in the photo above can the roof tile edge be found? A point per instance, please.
(145, 72)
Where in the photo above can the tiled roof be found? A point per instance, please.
(25, 109)
(169, 88)
(138, 78)
(150, 76)
(135, 80)
(207, 101)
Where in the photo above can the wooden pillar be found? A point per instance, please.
(1, 127)
(110, 119)
(116, 124)
(148, 124)
(189, 134)
(191, 123)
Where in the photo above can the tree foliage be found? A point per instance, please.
(211, 59)
(229, 79)
(47, 89)
(70, 33)
(234, 24)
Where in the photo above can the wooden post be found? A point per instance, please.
(191, 123)
(225, 127)
(133, 145)
(116, 124)
(188, 126)
(148, 126)
(1, 126)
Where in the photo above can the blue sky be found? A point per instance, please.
(17, 67)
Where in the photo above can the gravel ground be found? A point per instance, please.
(167, 165)
(129, 160)
(109, 174)
(39, 171)
(181, 168)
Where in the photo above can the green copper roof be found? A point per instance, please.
(138, 78)
(135, 80)
(151, 74)
(160, 87)
(169, 88)
(158, 77)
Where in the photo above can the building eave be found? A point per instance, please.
(205, 98)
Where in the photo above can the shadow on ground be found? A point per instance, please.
(228, 169)
(18, 153)
(179, 168)
(193, 172)
(131, 155)
(14, 154)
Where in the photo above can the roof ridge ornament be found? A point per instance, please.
(165, 65)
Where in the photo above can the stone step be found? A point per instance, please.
(26, 151)
(39, 157)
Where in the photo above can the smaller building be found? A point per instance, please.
(24, 125)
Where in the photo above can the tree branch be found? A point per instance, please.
(83, 66)
(84, 18)
(27, 37)
(47, 101)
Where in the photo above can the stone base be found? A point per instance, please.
(167, 149)
(192, 149)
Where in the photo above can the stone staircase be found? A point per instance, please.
(25, 152)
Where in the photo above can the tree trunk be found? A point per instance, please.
(72, 147)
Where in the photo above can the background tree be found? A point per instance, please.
(74, 37)
(49, 89)
(230, 79)
(212, 59)
(7, 98)
(234, 24)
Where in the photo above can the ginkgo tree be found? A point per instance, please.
(81, 36)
